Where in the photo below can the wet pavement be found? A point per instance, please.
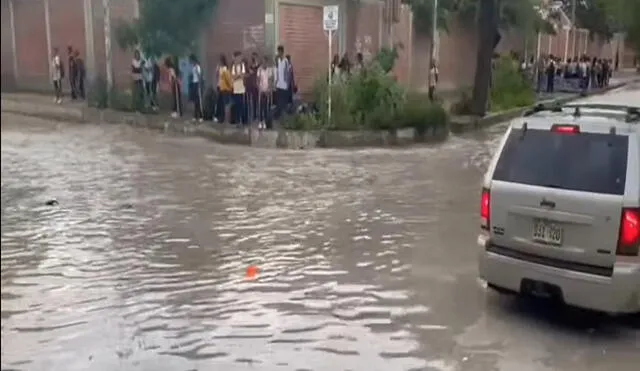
(366, 260)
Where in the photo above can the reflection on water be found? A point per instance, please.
(366, 258)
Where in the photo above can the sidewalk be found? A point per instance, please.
(461, 124)
(43, 107)
(571, 86)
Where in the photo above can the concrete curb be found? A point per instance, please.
(226, 134)
(250, 136)
(463, 124)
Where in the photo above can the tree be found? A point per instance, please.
(494, 15)
(490, 16)
(423, 13)
(624, 15)
(166, 26)
(488, 23)
(591, 15)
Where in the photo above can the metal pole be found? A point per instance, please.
(566, 45)
(47, 23)
(537, 63)
(434, 32)
(434, 36)
(107, 44)
(14, 55)
(573, 26)
(330, 78)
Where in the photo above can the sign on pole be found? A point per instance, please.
(330, 24)
(330, 17)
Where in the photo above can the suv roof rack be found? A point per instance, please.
(552, 107)
(632, 114)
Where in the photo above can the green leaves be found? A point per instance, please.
(510, 87)
(519, 14)
(625, 16)
(166, 26)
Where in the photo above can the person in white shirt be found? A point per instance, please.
(265, 89)
(149, 67)
(195, 86)
(138, 83)
(57, 73)
(282, 73)
(238, 72)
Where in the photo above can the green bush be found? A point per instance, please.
(419, 113)
(303, 121)
(100, 97)
(386, 58)
(368, 100)
(510, 89)
(341, 105)
(463, 105)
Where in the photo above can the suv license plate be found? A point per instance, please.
(547, 233)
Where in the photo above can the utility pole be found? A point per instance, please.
(434, 39)
(107, 45)
(573, 28)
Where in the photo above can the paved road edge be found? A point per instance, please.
(226, 134)
(463, 124)
(249, 136)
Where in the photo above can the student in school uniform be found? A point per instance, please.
(225, 90)
(265, 87)
(238, 72)
(176, 92)
(57, 75)
(196, 89)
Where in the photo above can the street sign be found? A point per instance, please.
(330, 25)
(330, 17)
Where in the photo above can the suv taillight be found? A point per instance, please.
(629, 239)
(485, 209)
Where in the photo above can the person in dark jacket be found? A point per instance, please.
(81, 74)
(251, 82)
(73, 72)
(293, 88)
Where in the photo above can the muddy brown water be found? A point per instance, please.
(366, 260)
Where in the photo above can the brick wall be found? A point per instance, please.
(8, 78)
(239, 25)
(31, 44)
(236, 25)
(366, 37)
(66, 19)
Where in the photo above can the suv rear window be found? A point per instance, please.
(587, 162)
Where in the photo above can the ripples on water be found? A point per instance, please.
(366, 257)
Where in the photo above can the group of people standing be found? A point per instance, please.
(342, 68)
(145, 74)
(588, 72)
(245, 90)
(75, 71)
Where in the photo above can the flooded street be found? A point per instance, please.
(366, 258)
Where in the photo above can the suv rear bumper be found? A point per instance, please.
(617, 294)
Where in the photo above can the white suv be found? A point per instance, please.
(560, 206)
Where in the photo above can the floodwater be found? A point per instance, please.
(366, 260)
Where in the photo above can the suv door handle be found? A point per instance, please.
(547, 203)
